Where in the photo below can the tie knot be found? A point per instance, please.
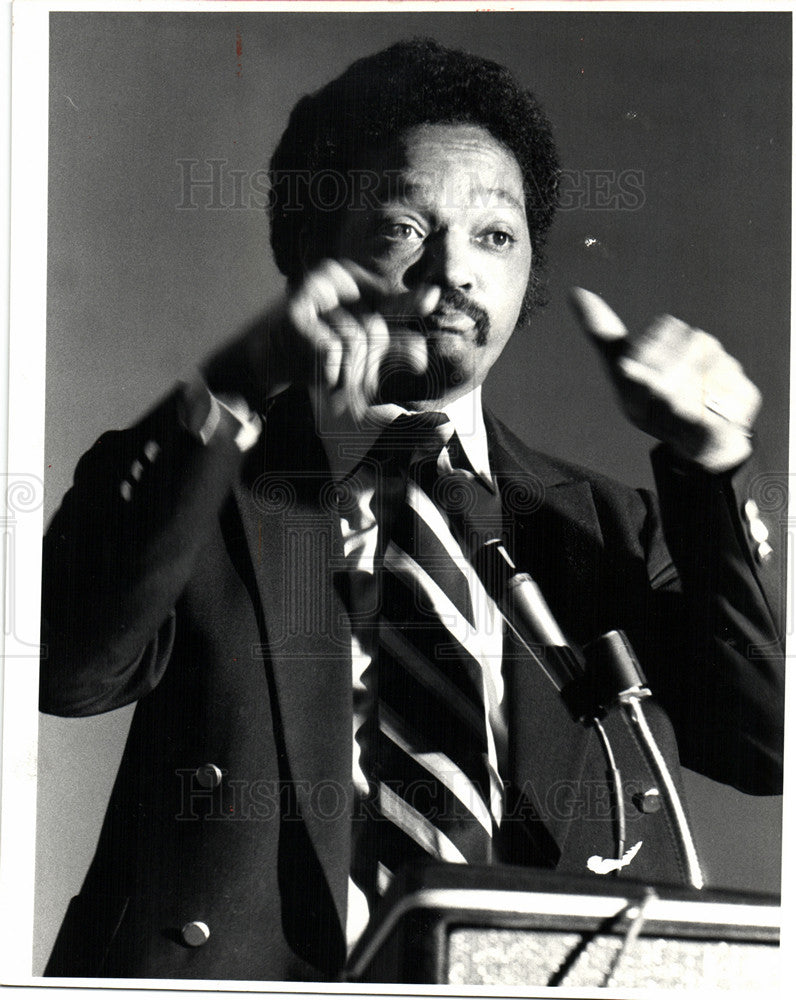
(412, 437)
(420, 428)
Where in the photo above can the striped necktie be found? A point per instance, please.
(434, 770)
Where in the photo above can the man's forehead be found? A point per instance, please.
(463, 163)
(462, 188)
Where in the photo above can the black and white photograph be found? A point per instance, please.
(399, 562)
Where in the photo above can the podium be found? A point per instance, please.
(506, 926)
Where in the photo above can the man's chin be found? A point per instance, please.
(443, 379)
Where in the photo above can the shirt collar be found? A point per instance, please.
(346, 445)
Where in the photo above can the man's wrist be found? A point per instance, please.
(206, 415)
(721, 454)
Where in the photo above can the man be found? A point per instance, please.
(234, 563)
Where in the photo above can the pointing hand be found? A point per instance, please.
(677, 383)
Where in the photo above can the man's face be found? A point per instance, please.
(449, 212)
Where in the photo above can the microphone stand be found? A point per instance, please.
(609, 674)
(613, 669)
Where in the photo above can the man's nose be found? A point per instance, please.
(448, 260)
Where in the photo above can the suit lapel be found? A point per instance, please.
(554, 534)
(294, 540)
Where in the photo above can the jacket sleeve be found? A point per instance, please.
(118, 554)
(720, 593)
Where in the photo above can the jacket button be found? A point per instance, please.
(209, 776)
(649, 801)
(195, 933)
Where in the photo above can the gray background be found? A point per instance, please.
(139, 290)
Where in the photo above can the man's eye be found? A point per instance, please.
(498, 238)
(400, 231)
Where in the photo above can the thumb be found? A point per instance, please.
(606, 330)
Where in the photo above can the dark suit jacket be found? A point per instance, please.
(210, 597)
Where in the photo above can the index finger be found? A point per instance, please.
(378, 294)
(600, 322)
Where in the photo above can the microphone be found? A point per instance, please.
(589, 682)
(516, 593)
(523, 606)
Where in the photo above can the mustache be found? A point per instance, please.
(454, 300)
